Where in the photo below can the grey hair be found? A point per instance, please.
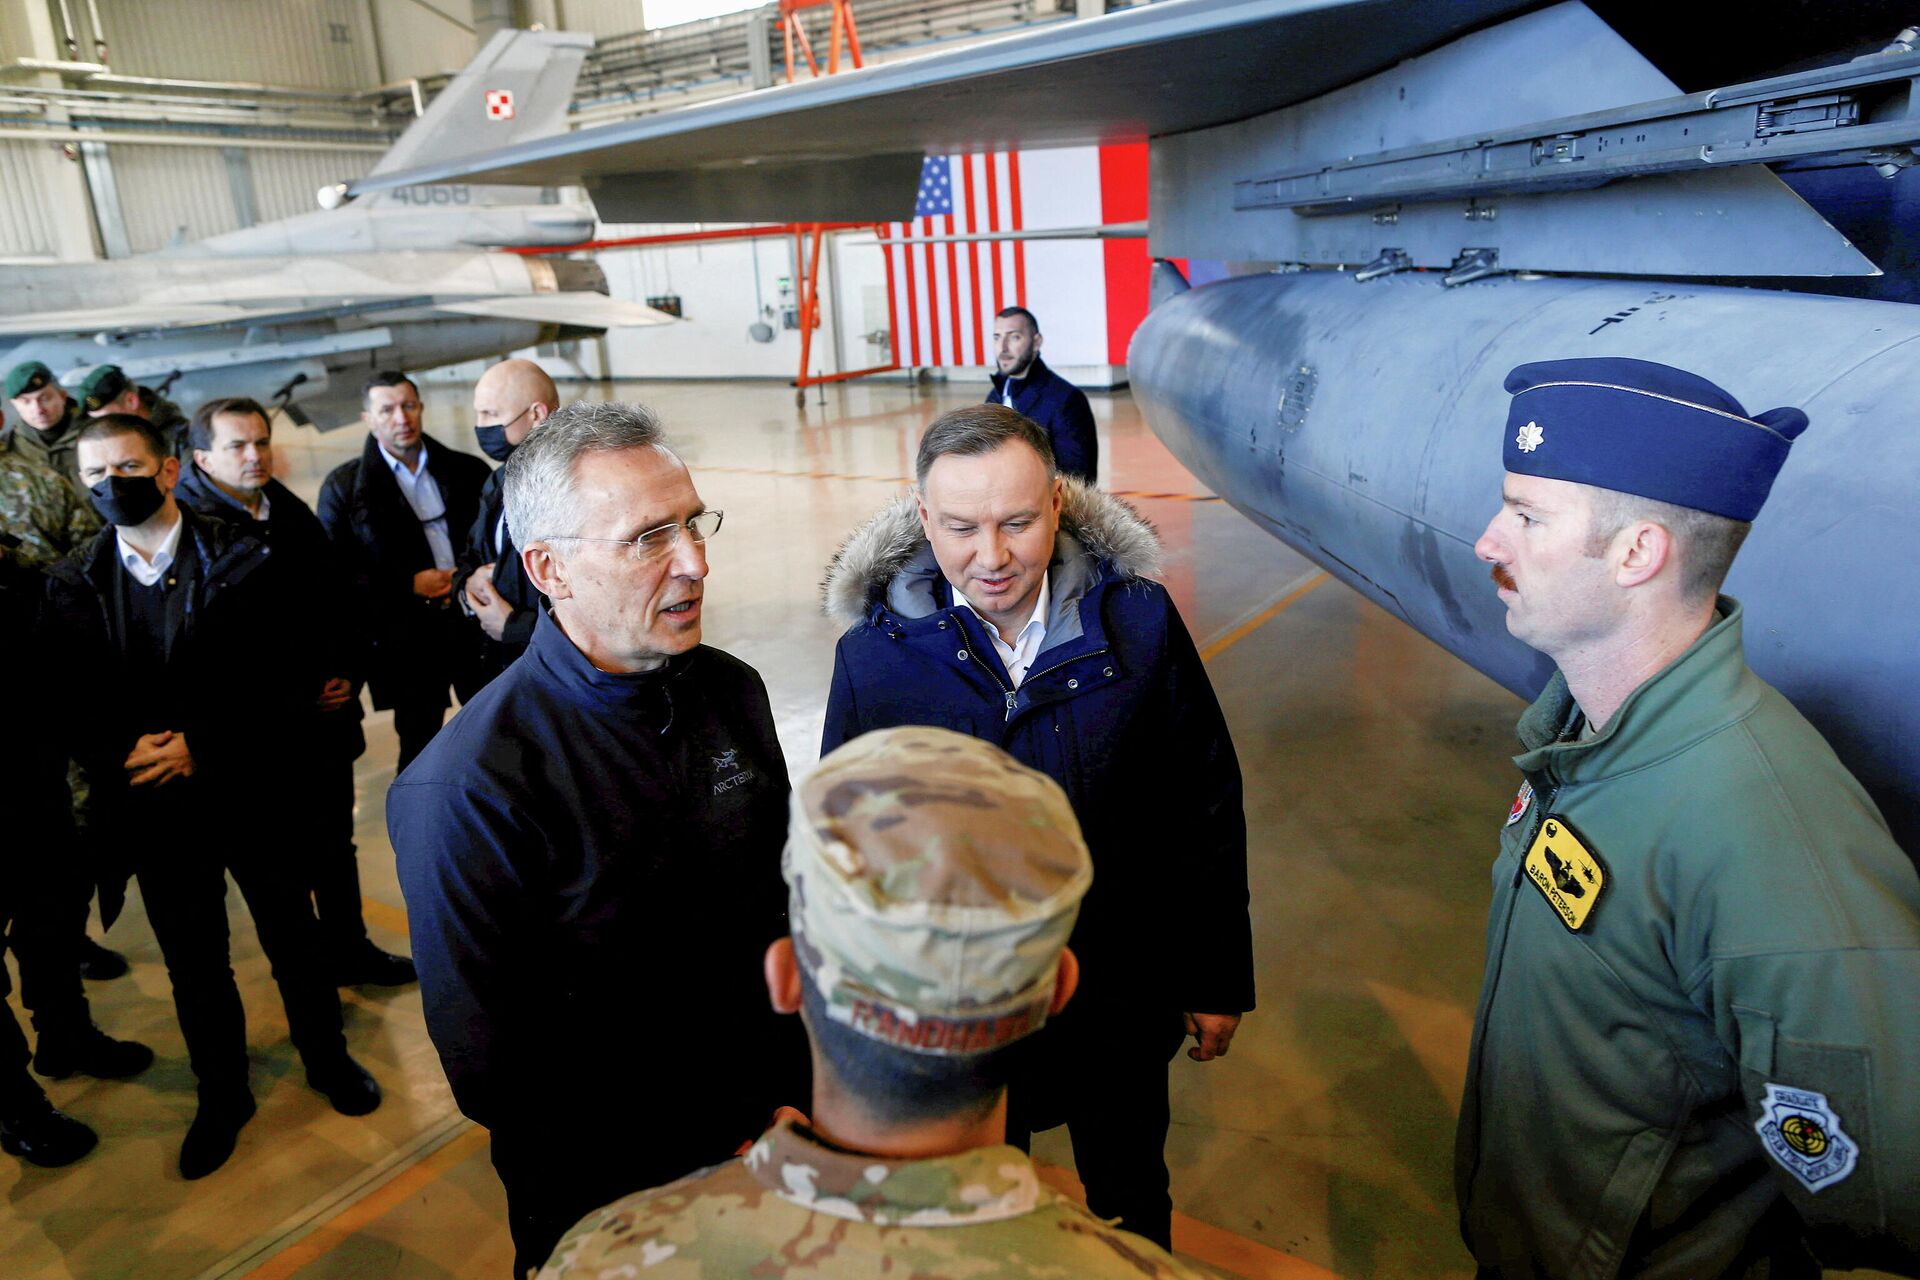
(1704, 543)
(539, 476)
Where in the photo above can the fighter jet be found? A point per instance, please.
(1416, 198)
(301, 310)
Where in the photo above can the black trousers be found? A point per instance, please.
(43, 906)
(1102, 1072)
(416, 718)
(20, 1093)
(45, 927)
(182, 864)
(420, 702)
(333, 862)
(554, 1180)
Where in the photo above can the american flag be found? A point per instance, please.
(946, 295)
(936, 187)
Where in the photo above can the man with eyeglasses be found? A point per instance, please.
(399, 513)
(510, 400)
(605, 816)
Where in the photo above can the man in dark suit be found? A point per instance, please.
(231, 478)
(399, 513)
(509, 401)
(157, 630)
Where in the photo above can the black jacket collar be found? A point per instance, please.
(227, 554)
(1037, 373)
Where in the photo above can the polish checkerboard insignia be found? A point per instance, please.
(499, 104)
(1530, 438)
(1801, 1131)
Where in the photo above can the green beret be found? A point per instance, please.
(101, 387)
(28, 375)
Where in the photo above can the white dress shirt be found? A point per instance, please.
(423, 495)
(147, 572)
(1017, 657)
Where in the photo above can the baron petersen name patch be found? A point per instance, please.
(1568, 875)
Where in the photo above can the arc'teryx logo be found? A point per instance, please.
(730, 772)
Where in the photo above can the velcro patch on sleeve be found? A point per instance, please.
(1801, 1131)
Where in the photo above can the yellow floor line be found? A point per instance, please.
(330, 1234)
(1318, 578)
(392, 919)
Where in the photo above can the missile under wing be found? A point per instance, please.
(1433, 194)
(301, 310)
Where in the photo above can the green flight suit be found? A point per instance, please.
(1721, 1068)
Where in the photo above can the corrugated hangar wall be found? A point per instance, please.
(167, 193)
(154, 194)
(284, 182)
(316, 44)
(25, 229)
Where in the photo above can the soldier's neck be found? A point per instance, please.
(842, 1121)
(1603, 675)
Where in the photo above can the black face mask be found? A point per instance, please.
(493, 439)
(127, 501)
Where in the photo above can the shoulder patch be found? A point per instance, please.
(1568, 874)
(1801, 1131)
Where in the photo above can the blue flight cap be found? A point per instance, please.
(1639, 427)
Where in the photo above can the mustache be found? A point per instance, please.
(1503, 579)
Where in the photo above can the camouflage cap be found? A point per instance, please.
(101, 387)
(934, 880)
(28, 375)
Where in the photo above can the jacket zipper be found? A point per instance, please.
(1009, 694)
(1542, 803)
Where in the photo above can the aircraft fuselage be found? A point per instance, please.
(1361, 424)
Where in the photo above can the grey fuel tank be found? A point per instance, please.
(1361, 424)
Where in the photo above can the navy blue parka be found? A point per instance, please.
(1117, 709)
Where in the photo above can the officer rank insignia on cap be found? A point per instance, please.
(1568, 875)
(1800, 1130)
(1634, 426)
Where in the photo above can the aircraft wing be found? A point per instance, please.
(849, 147)
(119, 319)
(578, 307)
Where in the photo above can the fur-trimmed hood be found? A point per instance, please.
(1096, 528)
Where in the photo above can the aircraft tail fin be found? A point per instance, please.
(517, 88)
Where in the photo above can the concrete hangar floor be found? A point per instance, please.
(1377, 777)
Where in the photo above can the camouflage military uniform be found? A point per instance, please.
(40, 509)
(796, 1208)
(934, 882)
(58, 449)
